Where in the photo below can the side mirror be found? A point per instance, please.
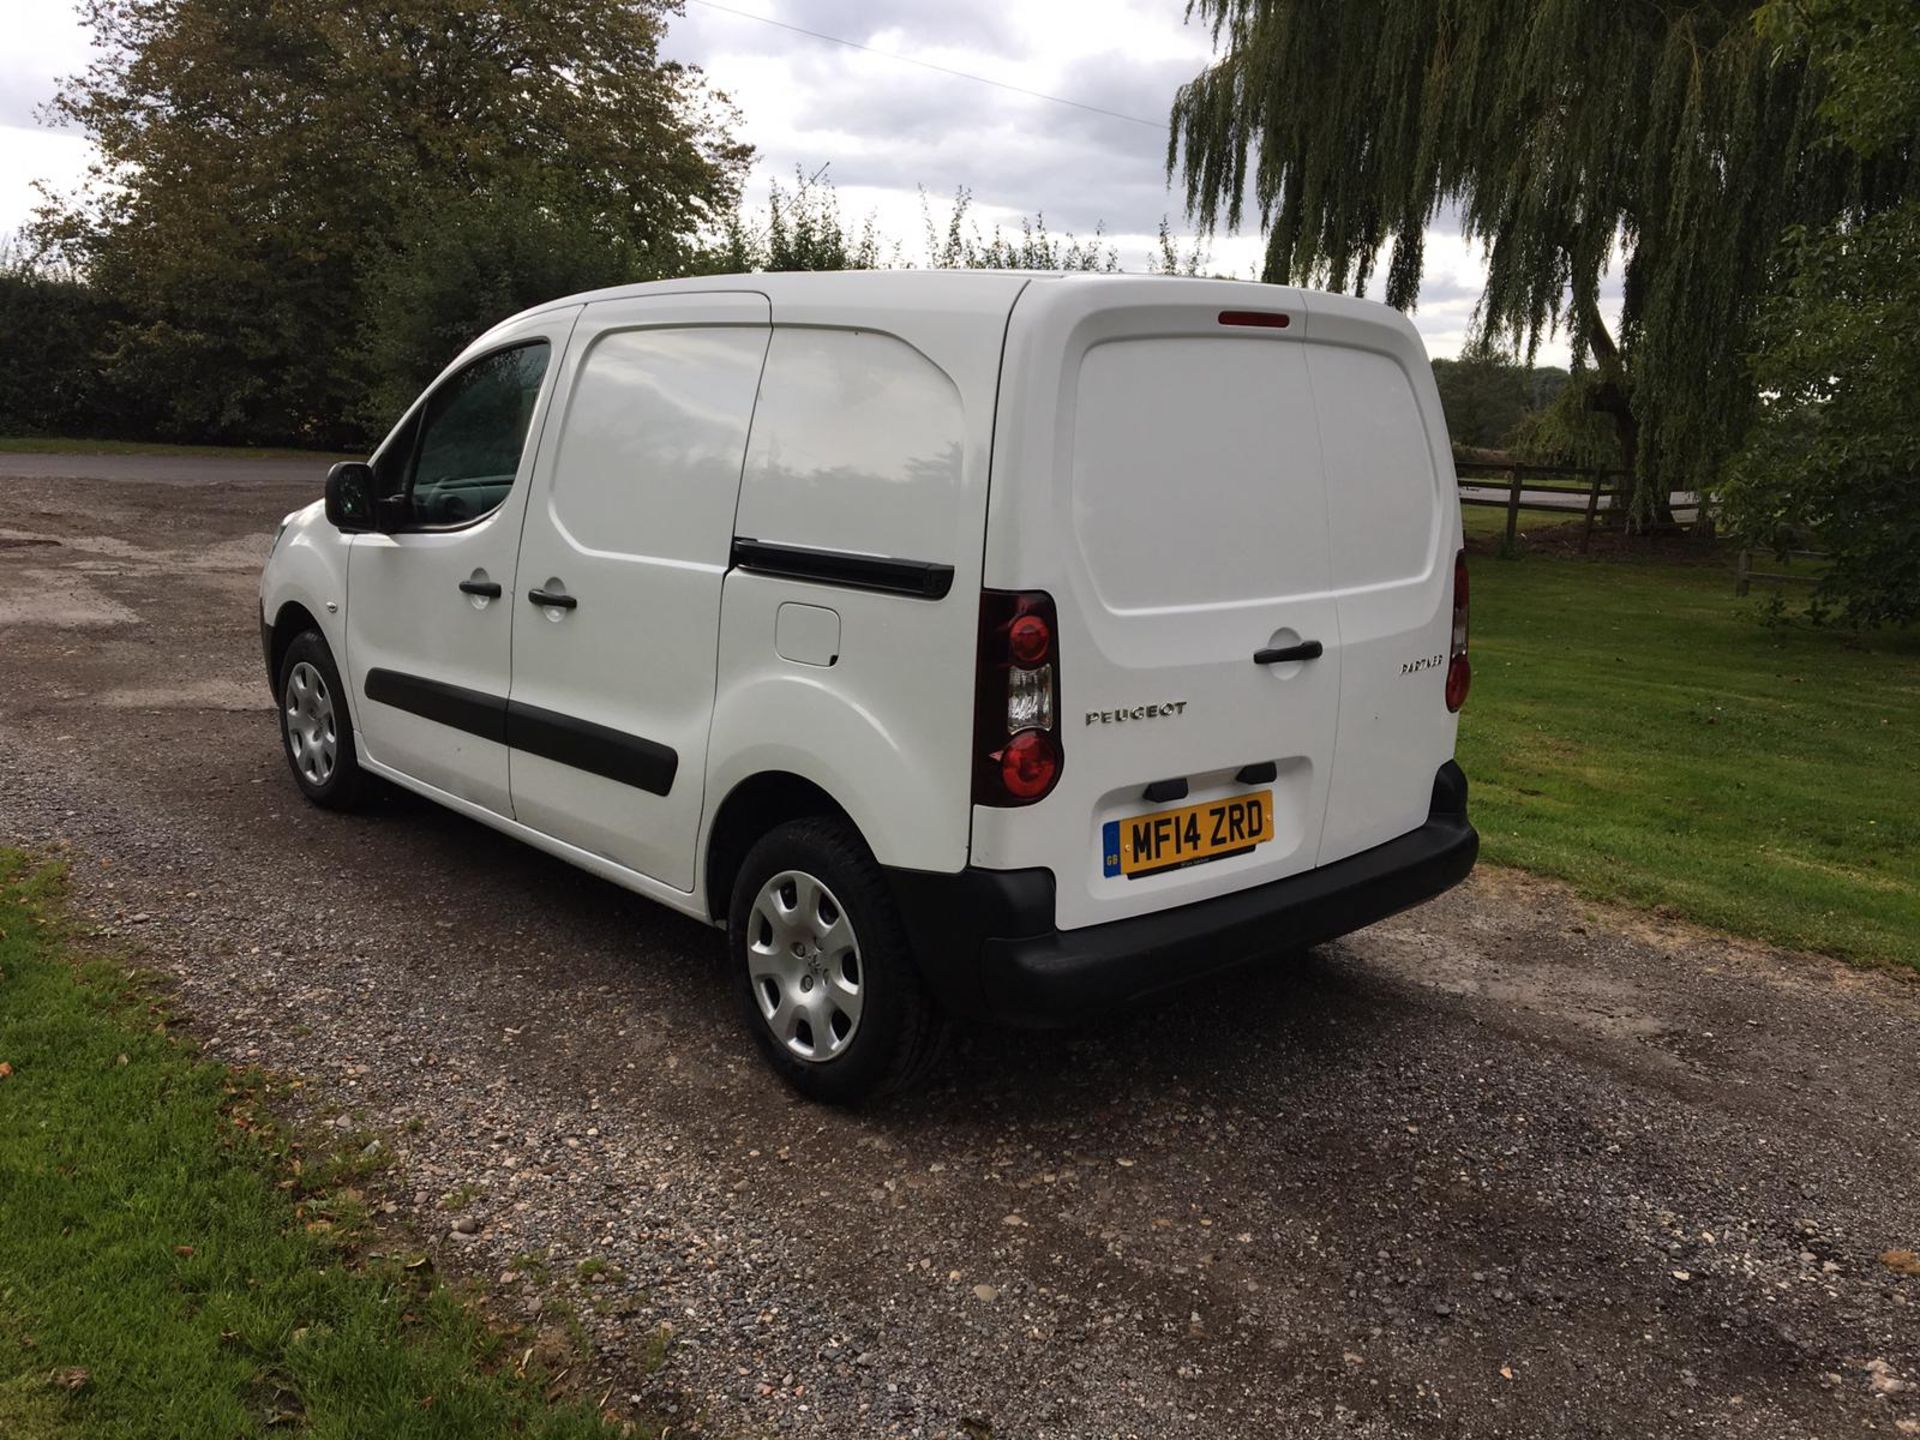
(350, 497)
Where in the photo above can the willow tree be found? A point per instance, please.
(1565, 135)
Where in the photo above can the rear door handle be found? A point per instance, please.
(547, 597)
(1305, 650)
(490, 589)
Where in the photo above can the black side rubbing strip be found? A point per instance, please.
(597, 749)
(921, 579)
(473, 711)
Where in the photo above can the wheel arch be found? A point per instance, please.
(753, 807)
(293, 619)
(289, 622)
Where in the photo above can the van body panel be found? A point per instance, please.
(1394, 511)
(1162, 482)
(631, 513)
(1192, 492)
(871, 442)
(857, 448)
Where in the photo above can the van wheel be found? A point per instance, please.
(315, 732)
(826, 981)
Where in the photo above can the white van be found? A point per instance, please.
(988, 644)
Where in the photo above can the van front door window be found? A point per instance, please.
(474, 429)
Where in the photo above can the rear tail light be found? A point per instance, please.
(1016, 743)
(1459, 669)
(1029, 765)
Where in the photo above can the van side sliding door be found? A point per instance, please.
(627, 538)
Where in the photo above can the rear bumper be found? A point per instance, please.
(988, 948)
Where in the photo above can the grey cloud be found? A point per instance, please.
(1129, 84)
(24, 88)
(902, 26)
(985, 28)
(1022, 165)
(1438, 292)
(1041, 181)
(888, 129)
(879, 102)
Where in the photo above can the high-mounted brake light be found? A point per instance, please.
(1459, 670)
(1016, 746)
(1262, 319)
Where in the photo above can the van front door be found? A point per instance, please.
(428, 601)
(628, 534)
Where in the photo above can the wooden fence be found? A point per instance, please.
(1746, 575)
(1564, 488)
(1571, 491)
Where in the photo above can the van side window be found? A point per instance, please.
(472, 431)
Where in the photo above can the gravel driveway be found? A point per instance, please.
(1510, 1164)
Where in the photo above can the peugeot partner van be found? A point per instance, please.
(996, 645)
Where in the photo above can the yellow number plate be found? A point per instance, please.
(1169, 839)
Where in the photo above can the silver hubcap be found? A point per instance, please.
(805, 964)
(309, 717)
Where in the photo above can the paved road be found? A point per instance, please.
(1510, 1165)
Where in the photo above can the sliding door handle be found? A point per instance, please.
(550, 598)
(1305, 650)
(486, 589)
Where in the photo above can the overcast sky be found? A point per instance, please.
(884, 127)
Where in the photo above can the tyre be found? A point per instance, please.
(825, 977)
(315, 731)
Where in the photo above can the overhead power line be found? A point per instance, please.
(929, 65)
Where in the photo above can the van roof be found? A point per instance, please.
(951, 315)
(988, 290)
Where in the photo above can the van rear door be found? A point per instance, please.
(1204, 473)
(1161, 476)
(1394, 525)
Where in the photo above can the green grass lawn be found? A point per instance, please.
(173, 1265)
(1633, 730)
(61, 445)
(1485, 522)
